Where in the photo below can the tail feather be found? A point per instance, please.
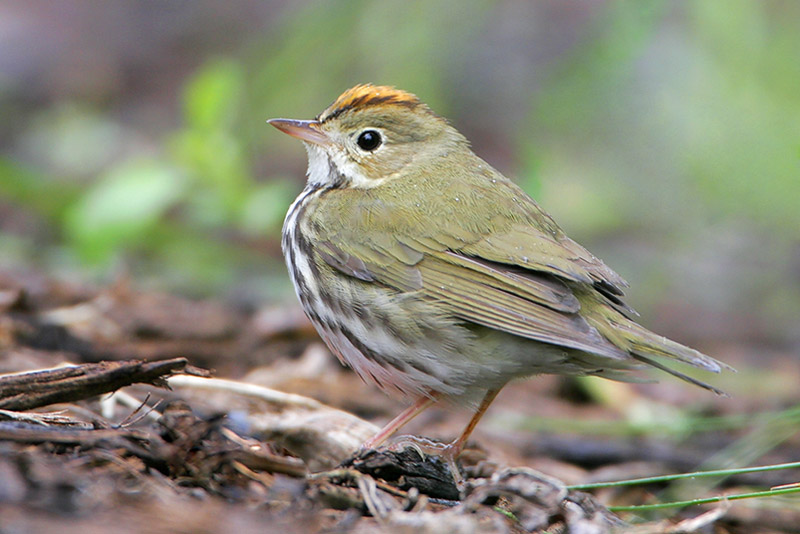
(641, 341)
(673, 372)
(647, 347)
(646, 342)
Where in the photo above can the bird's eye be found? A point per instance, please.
(369, 140)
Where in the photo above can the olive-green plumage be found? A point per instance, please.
(429, 272)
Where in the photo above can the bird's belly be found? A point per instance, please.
(405, 344)
(392, 339)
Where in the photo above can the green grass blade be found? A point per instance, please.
(707, 500)
(679, 476)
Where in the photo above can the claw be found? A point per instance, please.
(448, 452)
(423, 446)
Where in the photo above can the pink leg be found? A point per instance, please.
(458, 445)
(447, 452)
(404, 417)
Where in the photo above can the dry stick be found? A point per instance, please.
(253, 455)
(142, 444)
(62, 436)
(41, 388)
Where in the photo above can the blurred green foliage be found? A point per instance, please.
(679, 120)
(122, 208)
(679, 117)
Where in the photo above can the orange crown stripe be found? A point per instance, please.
(365, 95)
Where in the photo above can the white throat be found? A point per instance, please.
(334, 169)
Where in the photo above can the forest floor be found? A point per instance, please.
(235, 420)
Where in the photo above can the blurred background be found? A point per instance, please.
(142, 194)
(664, 136)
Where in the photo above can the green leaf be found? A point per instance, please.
(212, 96)
(120, 207)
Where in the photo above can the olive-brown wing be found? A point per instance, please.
(526, 303)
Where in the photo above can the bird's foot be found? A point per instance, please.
(448, 452)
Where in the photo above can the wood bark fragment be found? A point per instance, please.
(26, 391)
(405, 469)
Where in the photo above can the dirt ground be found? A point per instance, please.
(232, 420)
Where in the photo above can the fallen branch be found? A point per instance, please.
(26, 391)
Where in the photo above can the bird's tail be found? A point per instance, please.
(682, 376)
(648, 347)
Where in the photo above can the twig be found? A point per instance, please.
(41, 388)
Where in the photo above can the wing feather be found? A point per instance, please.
(473, 296)
(530, 305)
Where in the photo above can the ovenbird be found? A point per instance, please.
(433, 275)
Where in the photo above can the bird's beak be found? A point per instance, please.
(304, 130)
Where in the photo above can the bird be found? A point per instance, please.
(434, 276)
